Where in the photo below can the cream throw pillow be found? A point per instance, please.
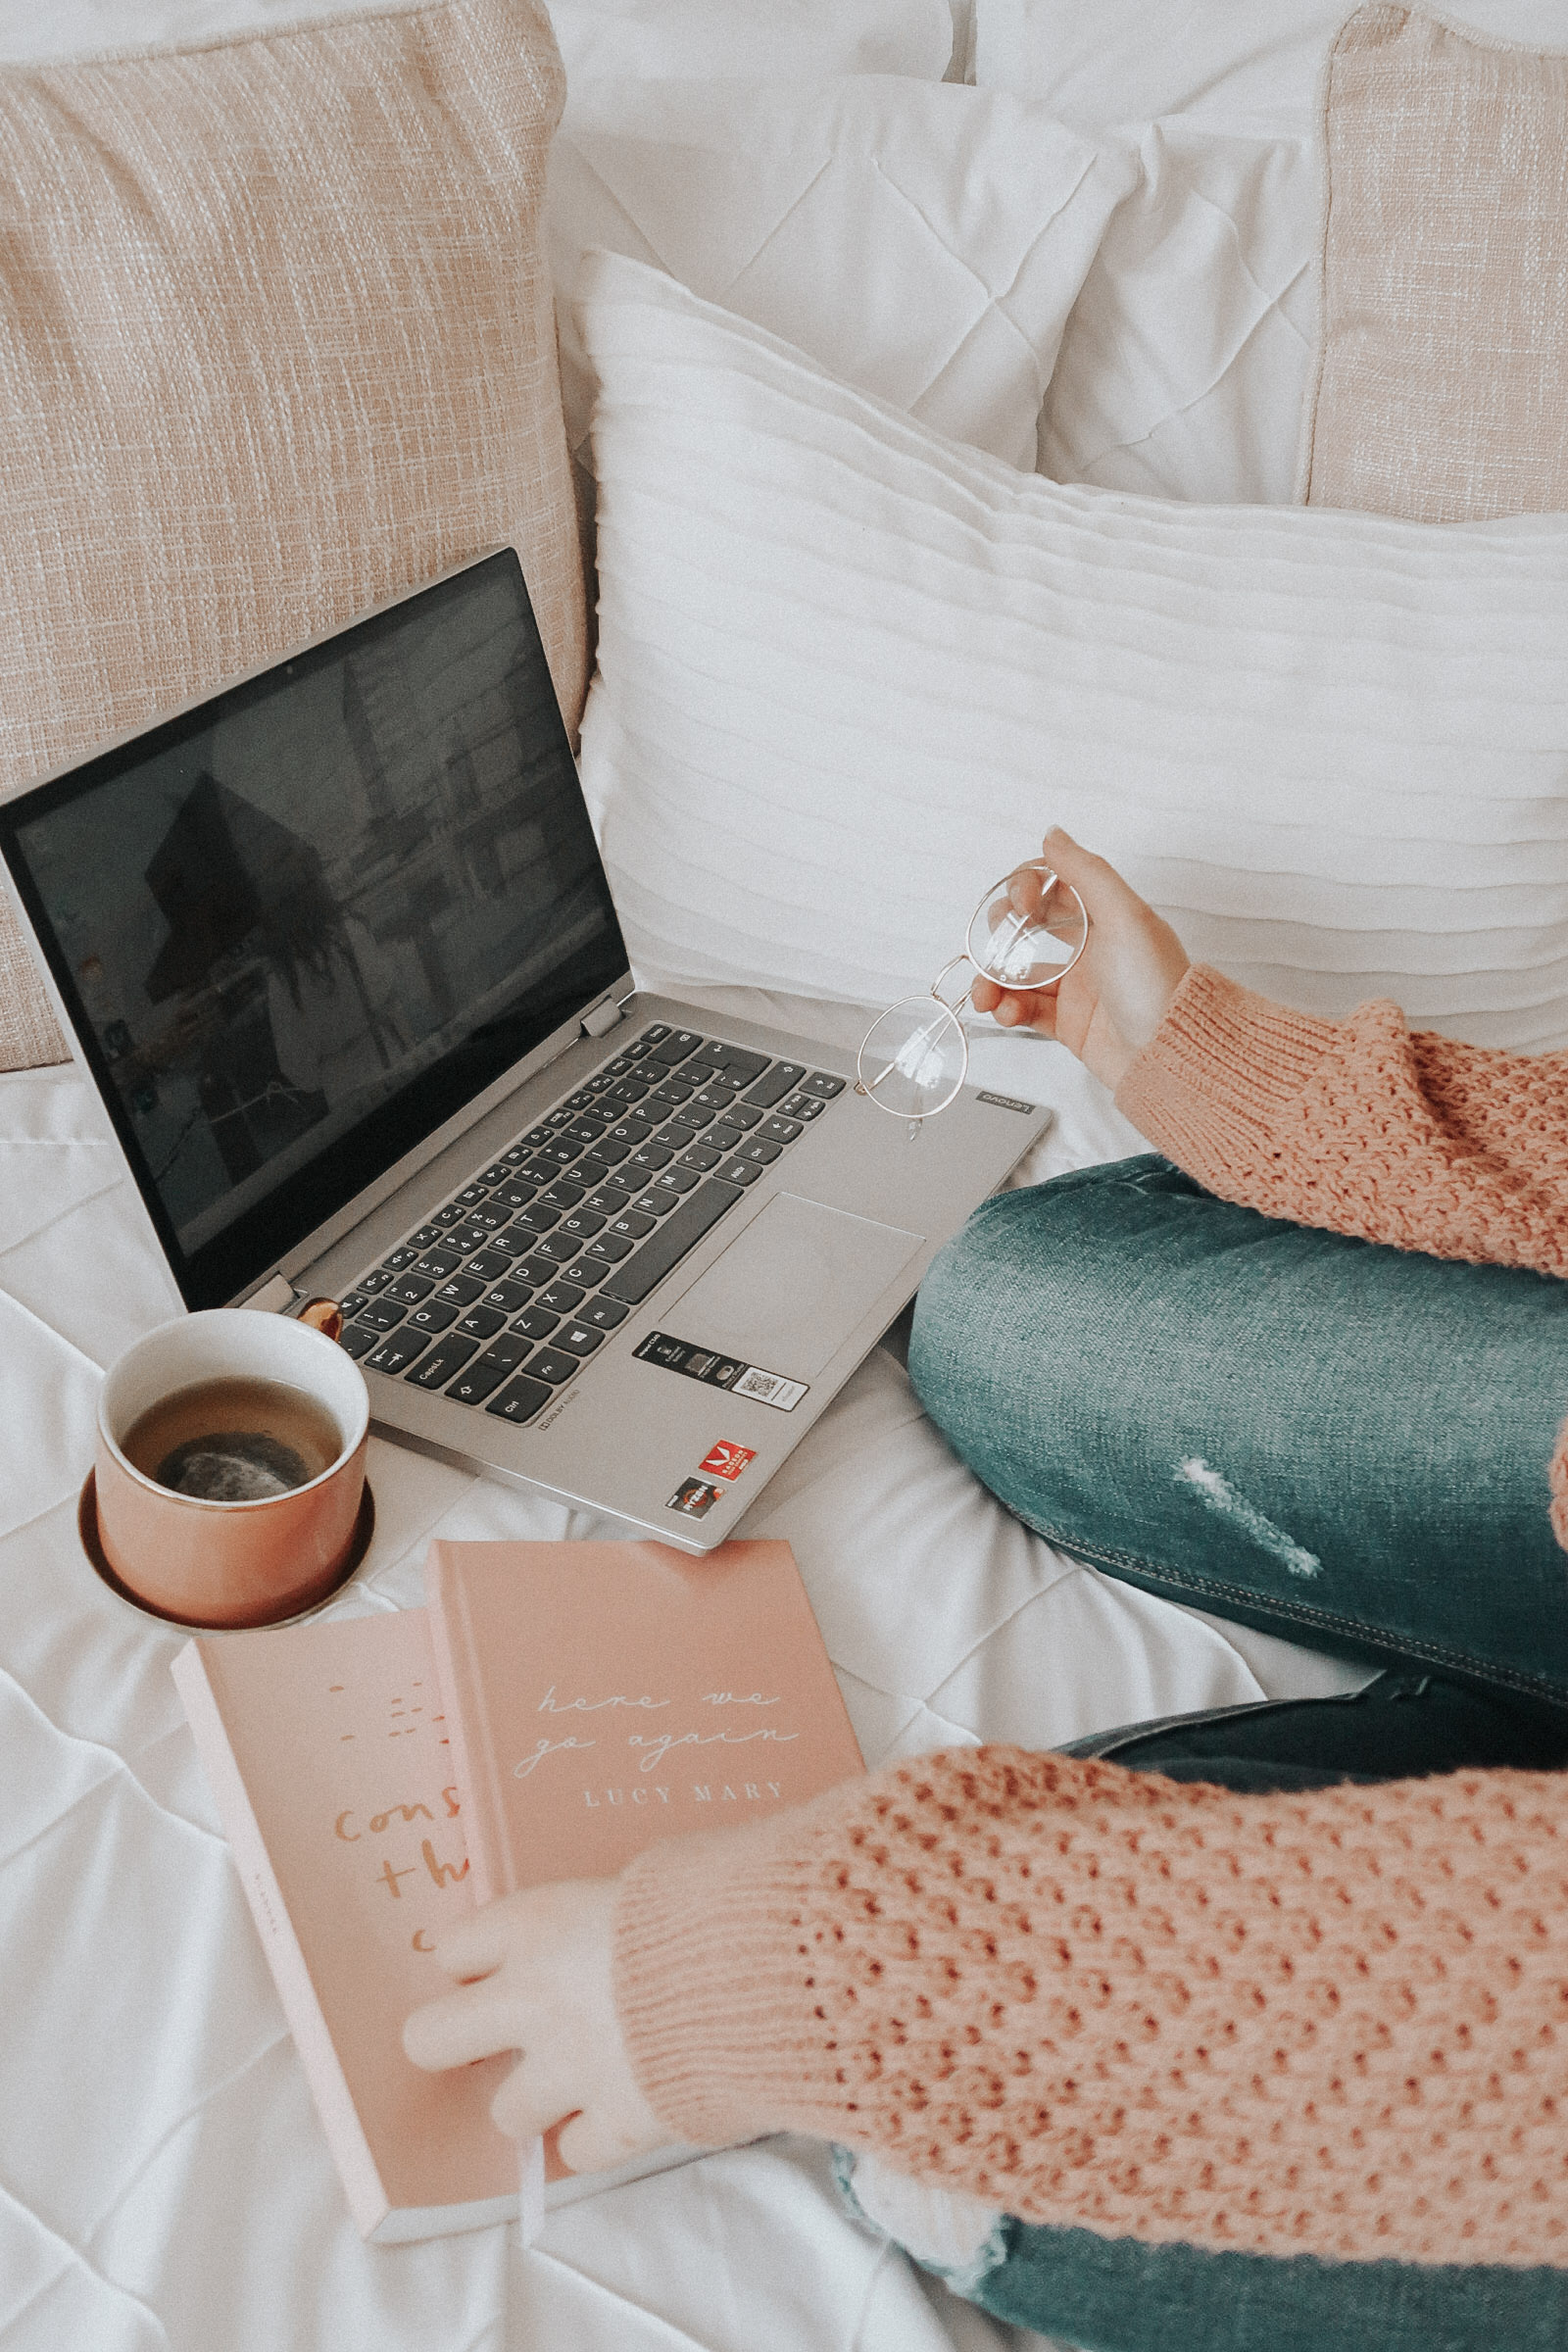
(275, 341)
(1442, 384)
(849, 670)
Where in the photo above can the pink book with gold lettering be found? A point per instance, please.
(602, 1695)
(336, 1776)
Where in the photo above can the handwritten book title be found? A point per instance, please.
(624, 1769)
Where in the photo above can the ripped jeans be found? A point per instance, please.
(1334, 1440)
(1342, 1443)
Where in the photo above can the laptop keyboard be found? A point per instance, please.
(508, 1288)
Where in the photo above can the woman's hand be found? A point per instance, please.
(1118, 991)
(534, 1976)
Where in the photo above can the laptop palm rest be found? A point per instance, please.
(791, 1288)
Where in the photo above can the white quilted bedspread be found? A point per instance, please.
(163, 2185)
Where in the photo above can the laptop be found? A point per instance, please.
(337, 948)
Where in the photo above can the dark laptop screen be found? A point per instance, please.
(301, 926)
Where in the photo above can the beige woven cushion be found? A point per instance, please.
(275, 342)
(1442, 364)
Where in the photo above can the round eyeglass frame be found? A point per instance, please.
(946, 1026)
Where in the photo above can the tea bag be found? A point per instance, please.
(234, 1465)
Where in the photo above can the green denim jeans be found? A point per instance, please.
(1341, 1442)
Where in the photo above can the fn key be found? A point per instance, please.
(520, 1400)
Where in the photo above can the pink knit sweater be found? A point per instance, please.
(1334, 2023)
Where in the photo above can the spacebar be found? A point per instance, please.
(680, 1231)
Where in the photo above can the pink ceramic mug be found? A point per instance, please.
(212, 1562)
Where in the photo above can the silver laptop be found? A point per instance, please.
(337, 948)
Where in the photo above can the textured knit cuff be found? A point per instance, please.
(1221, 1071)
(713, 1976)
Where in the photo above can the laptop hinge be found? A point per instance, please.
(273, 1296)
(600, 1020)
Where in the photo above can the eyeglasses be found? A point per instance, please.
(1025, 935)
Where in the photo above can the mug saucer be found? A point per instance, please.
(87, 1533)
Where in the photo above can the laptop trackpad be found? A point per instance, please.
(788, 1290)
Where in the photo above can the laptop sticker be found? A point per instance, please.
(721, 1371)
(695, 1496)
(725, 1461)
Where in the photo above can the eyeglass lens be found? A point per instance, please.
(914, 1058)
(1027, 929)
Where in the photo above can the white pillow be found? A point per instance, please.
(1235, 64)
(1184, 366)
(849, 670)
(596, 37)
(922, 240)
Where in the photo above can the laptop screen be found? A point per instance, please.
(301, 926)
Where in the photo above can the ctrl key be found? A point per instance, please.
(520, 1400)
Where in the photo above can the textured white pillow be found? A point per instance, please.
(847, 670)
(922, 240)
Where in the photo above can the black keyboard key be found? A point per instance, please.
(380, 1315)
(638, 1129)
(823, 1082)
(350, 1305)
(555, 1247)
(358, 1339)
(437, 1368)
(702, 1158)
(711, 1098)
(520, 1400)
(585, 1271)
(535, 1137)
(580, 1338)
(472, 1194)
(397, 1354)
(617, 1068)
(560, 1298)
(449, 1216)
(430, 1318)
(674, 1092)
(508, 1296)
(514, 1194)
(607, 1201)
(496, 1173)
(678, 1136)
(740, 1171)
(605, 1313)
(724, 1137)
(373, 1282)
(607, 1152)
(538, 1216)
(427, 1236)
(541, 1171)
(534, 1271)
(655, 1205)
(652, 1261)
(633, 1224)
(693, 1115)
(396, 1260)
(408, 1289)
(487, 1220)
(467, 1238)
(474, 1385)
(439, 1263)
(611, 1247)
(516, 1156)
(506, 1353)
(584, 1130)
(675, 1047)
(559, 1152)
(637, 1048)
(781, 1079)
(675, 1180)
(482, 1322)
(461, 1291)
(627, 1090)
(654, 1032)
(583, 1223)
(490, 1265)
(535, 1323)
(559, 1120)
(561, 1194)
(741, 1115)
(764, 1154)
(553, 1365)
(649, 1159)
(804, 1106)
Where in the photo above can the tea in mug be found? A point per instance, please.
(240, 1440)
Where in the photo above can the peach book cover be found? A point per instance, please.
(653, 1691)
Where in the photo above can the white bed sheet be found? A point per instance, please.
(163, 2185)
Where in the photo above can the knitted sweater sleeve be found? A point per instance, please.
(1333, 2024)
(1361, 1125)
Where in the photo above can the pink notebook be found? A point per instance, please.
(604, 1696)
(329, 1760)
